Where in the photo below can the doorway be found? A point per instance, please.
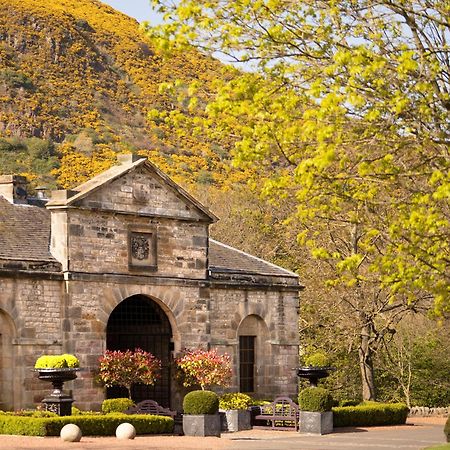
(139, 322)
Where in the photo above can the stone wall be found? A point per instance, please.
(271, 316)
(99, 243)
(30, 316)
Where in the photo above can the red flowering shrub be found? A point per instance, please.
(126, 368)
(204, 368)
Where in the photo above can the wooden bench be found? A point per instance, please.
(283, 410)
(150, 407)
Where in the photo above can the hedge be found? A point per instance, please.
(90, 425)
(116, 405)
(370, 414)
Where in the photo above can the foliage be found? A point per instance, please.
(57, 362)
(235, 400)
(116, 405)
(344, 115)
(82, 74)
(90, 424)
(38, 413)
(370, 414)
(201, 402)
(415, 366)
(125, 368)
(31, 157)
(260, 402)
(204, 368)
(75, 411)
(317, 359)
(315, 399)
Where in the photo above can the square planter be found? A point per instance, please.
(201, 425)
(316, 422)
(235, 420)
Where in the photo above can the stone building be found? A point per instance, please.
(123, 261)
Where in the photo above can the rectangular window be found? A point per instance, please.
(247, 363)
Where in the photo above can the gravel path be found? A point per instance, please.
(416, 434)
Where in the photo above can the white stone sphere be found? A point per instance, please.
(70, 433)
(125, 431)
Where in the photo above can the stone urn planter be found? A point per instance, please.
(235, 420)
(316, 416)
(235, 414)
(201, 425)
(316, 422)
(314, 373)
(57, 401)
(201, 414)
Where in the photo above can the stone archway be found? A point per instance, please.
(7, 362)
(254, 352)
(138, 321)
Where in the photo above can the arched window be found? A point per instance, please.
(254, 353)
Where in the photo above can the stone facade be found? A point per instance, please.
(131, 234)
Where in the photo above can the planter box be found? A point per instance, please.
(235, 420)
(201, 425)
(316, 422)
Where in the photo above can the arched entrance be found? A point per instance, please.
(7, 369)
(140, 322)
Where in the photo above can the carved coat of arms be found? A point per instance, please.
(140, 247)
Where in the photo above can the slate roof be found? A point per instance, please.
(223, 258)
(24, 232)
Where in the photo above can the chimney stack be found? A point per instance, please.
(14, 188)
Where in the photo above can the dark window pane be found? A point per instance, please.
(247, 363)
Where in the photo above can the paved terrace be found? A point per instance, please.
(418, 433)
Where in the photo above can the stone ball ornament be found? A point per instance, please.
(125, 431)
(70, 433)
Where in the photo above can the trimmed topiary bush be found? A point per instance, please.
(315, 399)
(235, 400)
(370, 414)
(116, 405)
(447, 429)
(57, 362)
(201, 402)
(90, 425)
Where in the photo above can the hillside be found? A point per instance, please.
(77, 81)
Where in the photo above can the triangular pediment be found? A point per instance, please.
(134, 187)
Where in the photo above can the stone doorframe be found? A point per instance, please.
(10, 391)
(168, 298)
(255, 325)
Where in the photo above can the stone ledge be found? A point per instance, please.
(32, 341)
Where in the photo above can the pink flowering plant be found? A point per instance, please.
(204, 368)
(125, 368)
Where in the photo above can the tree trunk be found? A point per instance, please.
(366, 366)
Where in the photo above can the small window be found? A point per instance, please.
(247, 363)
(142, 250)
